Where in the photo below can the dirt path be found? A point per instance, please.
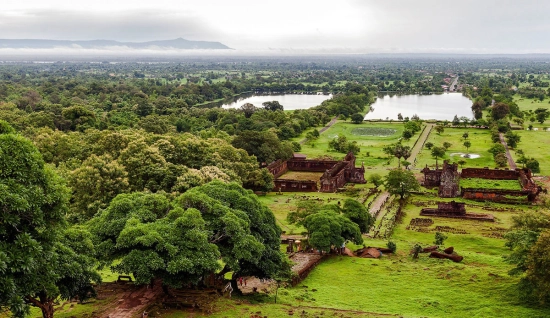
(511, 162)
(419, 144)
(133, 302)
(332, 122)
(379, 203)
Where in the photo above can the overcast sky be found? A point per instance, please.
(468, 26)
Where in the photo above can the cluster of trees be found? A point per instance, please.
(99, 165)
(411, 128)
(528, 162)
(178, 238)
(332, 225)
(398, 151)
(529, 242)
(343, 145)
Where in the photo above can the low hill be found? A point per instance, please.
(178, 43)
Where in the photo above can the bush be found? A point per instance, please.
(439, 238)
(341, 144)
(296, 146)
(357, 118)
(497, 149)
(501, 160)
(392, 246)
(533, 164)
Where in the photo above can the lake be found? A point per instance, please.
(437, 106)
(289, 101)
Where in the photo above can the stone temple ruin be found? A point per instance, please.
(455, 210)
(448, 180)
(335, 174)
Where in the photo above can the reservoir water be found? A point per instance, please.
(289, 101)
(436, 106)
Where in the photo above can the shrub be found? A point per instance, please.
(439, 238)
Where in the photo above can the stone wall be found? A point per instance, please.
(493, 174)
(449, 186)
(495, 195)
(432, 178)
(295, 185)
(278, 168)
(310, 165)
(448, 179)
(452, 207)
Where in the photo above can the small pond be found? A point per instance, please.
(289, 101)
(464, 155)
(436, 106)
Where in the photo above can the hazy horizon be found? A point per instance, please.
(291, 27)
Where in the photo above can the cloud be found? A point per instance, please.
(362, 26)
(133, 25)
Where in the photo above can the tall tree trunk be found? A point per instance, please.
(47, 310)
(235, 285)
(45, 304)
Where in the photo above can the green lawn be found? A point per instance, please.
(532, 104)
(490, 184)
(479, 138)
(283, 203)
(371, 138)
(535, 144)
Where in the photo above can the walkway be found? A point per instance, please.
(332, 122)
(419, 144)
(378, 203)
(511, 162)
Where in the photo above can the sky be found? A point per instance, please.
(343, 26)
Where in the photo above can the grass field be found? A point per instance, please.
(371, 138)
(479, 138)
(535, 144)
(490, 184)
(302, 175)
(532, 104)
(283, 203)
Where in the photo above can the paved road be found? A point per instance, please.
(419, 145)
(511, 162)
(452, 86)
(332, 122)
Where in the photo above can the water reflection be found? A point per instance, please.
(289, 101)
(435, 106)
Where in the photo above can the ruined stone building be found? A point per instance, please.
(448, 180)
(335, 173)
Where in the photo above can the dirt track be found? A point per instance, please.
(332, 122)
(511, 162)
(131, 302)
(419, 144)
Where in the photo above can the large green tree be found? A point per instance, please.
(438, 152)
(182, 240)
(357, 213)
(265, 145)
(38, 262)
(528, 241)
(401, 182)
(328, 229)
(95, 183)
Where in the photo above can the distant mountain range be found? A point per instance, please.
(178, 43)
